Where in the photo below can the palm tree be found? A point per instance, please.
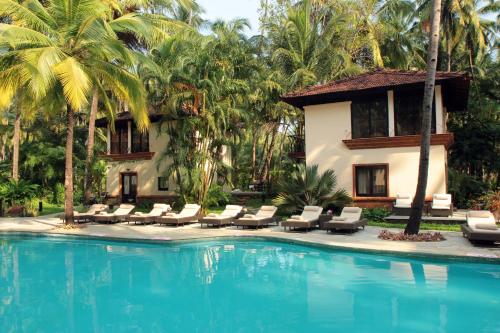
(133, 25)
(60, 50)
(413, 225)
(308, 187)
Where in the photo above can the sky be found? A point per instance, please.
(231, 9)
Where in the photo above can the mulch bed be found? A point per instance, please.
(421, 237)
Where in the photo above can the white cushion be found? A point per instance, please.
(351, 214)
(338, 218)
(296, 217)
(267, 211)
(480, 217)
(486, 226)
(403, 201)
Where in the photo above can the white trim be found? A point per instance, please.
(390, 110)
(440, 118)
(108, 137)
(129, 137)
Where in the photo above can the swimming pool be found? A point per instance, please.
(235, 285)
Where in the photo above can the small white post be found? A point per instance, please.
(440, 123)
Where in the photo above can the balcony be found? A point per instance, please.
(129, 157)
(398, 141)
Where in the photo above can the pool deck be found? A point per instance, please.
(367, 240)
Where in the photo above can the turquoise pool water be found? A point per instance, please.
(82, 285)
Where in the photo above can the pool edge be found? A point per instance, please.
(403, 254)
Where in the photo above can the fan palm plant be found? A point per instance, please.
(306, 186)
(56, 51)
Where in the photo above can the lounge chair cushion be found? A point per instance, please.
(441, 201)
(249, 216)
(476, 217)
(403, 201)
(351, 214)
(339, 219)
(486, 226)
(297, 217)
(212, 215)
(267, 211)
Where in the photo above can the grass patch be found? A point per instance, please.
(49, 208)
(423, 226)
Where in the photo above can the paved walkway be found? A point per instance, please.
(455, 244)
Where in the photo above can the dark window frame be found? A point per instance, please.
(355, 167)
(143, 141)
(367, 99)
(160, 187)
(413, 92)
(121, 140)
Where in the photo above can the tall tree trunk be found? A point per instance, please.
(254, 155)
(15, 143)
(269, 154)
(90, 149)
(68, 172)
(413, 225)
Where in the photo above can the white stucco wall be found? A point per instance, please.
(328, 124)
(147, 171)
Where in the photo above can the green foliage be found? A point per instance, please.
(307, 187)
(57, 194)
(376, 214)
(465, 188)
(18, 193)
(216, 197)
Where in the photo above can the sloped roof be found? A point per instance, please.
(381, 79)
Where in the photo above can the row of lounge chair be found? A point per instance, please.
(481, 225)
(350, 219)
(441, 205)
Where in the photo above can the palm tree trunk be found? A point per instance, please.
(448, 52)
(413, 225)
(15, 143)
(90, 149)
(254, 155)
(68, 173)
(269, 154)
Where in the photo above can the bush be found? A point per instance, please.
(18, 193)
(216, 197)
(464, 188)
(376, 214)
(57, 197)
(490, 201)
(306, 186)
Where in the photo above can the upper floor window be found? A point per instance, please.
(369, 117)
(408, 112)
(140, 141)
(119, 140)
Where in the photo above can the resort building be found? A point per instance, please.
(366, 128)
(136, 161)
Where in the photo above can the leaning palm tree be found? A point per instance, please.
(413, 225)
(306, 186)
(58, 51)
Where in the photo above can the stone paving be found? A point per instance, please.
(455, 244)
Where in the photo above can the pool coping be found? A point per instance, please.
(419, 254)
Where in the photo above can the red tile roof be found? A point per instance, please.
(382, 78)
(375, 79)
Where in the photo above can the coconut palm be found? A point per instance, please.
(306, 186)
(413, 225)
(57, 51)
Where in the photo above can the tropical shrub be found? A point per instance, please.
(307, 187)
(18, 193)
(216, 197)
(464, 188)
(57, 196)
(376, 214)
(490, 201)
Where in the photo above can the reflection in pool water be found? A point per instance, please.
(79, 285)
